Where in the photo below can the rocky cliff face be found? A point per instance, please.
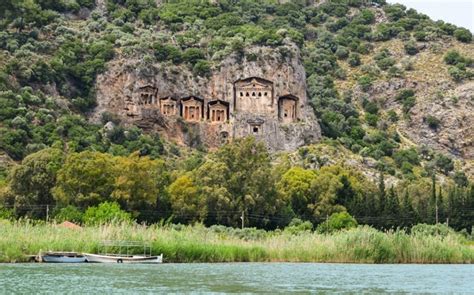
(187, 108)
(454, 133)
(437, 96)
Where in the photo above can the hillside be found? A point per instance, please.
(378, 90)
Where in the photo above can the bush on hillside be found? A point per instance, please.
(432, 122)
(463, 35)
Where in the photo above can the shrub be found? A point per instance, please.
(371, 119)
(453, 57)
(7, 213)
(384, 59)
(167, 52)
(193, 55)
(420, 35)
(365, 17)
(432, 122)
(365, 82)
(406, 168)
(202, 68)
(457, 74)
(409, 103)
(354, 59)
(463, 35)
(357, 132)
(444, 163)
(109, 117)
(386, 63)
(342, 52)
(404, 94)
(336, 222)
(410, 47)
(408, 155)
(370, 106)
(298, 226)
(407, 98)
(69, 213)
(461, 179)
(392, 116)
(107, 212)
(433, 230)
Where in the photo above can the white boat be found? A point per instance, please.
(123, 252)
(111, 258)
(62, 257)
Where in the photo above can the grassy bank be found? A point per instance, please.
(199, 244)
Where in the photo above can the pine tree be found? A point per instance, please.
(392, 210)
(467, 209)
(408, 214)
(381, 201)
(441, 206)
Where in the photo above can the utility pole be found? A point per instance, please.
(327, 223)
(47, 213)
(243, 219)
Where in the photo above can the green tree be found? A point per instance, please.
(243, 182)
(32, 181)
(407, 213)
(382, 193)
(136, 181)
(188, 206)
(85, 179)
(332, 187)
(391, 211)
(295, 188)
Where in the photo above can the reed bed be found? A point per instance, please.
(200, 244)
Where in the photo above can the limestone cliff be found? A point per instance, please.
(264, 96)
(437, 96)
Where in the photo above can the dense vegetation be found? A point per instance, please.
(238, 179)
(52, 51)
(426, 244)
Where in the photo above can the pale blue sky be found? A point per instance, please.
(458, 12)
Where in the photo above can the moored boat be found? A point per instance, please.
(62, 257)
(123, 252)
(111, 258)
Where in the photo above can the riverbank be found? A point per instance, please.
(219, 244)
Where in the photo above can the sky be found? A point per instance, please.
(457, 12)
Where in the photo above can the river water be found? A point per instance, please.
(235, 278)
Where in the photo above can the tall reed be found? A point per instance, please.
(200, 244)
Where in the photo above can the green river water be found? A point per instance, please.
(271, 278)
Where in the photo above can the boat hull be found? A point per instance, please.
(96, 258)
(63, 259)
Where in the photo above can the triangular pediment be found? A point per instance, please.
(254, 82)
